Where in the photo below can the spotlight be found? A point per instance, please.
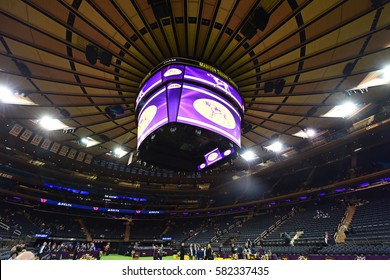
(87, 142)
(119, 152)
(249, 155)
(173, 129)
(50, 123)
(310, 132)
(198, 132)
(275, 147)
(5, 93)
(386, 72)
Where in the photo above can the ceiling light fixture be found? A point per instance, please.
(306, 133)
(119, 152)
(7, 96)
(386, 73)
(249, 155)
(373, 79)
(88, 142)
(342, 111)
(50, 124)
(275, 147)
(310, 132)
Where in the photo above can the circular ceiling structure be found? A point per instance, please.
(70, 72)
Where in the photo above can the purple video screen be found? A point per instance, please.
(203, 108)
(149, 85)
(173, 97)
(205, 77)
(172, 72)
(212, 156)
(153, 115)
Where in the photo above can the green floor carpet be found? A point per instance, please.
(120, 257)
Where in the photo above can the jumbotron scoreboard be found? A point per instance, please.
(189, 116)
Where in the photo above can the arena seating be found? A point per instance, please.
(15, 223)
(101, 228)
(212, 227)
(313, 222)
(291, 250)
(56, 225)
(182, 229)
(147, 229)
(345, 249)
(253, 227)
(371, 223)
(290, 182)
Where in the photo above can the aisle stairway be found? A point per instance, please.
(85, 230)
(127, 231)
(340, 237)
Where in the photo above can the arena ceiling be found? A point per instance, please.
(318, 49)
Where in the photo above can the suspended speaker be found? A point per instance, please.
(104, 138)
(117, 109)
(105, 58)
(348, 69)
(268, 87)
(377, 3)
(65, 113)
(160, 8)
(24, 70)
(110, 113)
(91, 53)
(248, 30)
(311, 111)
(260, 18)
(279, 85)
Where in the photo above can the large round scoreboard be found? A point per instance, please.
(189, 116)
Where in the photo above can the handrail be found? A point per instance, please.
(277, 223)
(4, 226)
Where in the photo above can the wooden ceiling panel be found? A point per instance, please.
(308, 46)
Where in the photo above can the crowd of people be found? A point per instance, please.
(249, 250)
(46, 249)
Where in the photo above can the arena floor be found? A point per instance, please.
(120, 257)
